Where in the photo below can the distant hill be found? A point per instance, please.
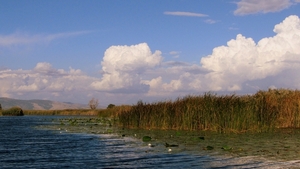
(39, 104)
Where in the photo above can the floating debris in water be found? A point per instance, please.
(151, 145)
(208, 148)
(171, 145)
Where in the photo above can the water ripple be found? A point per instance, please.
(22, 146)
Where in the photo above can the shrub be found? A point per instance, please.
(93, 103)
(14, 111)
(111, 106)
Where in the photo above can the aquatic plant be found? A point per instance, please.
(14, 111)
(146, 138)
(260, 112)
(226, 148)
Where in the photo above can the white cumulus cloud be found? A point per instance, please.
(123, 66)
(242, 60)
(130, 73)
(42, 79)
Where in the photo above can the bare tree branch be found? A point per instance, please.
(93, 103)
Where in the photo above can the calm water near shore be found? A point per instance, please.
(23, 145)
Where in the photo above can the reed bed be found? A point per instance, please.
(109, 112)
(260, 112)
(14, 111)
(114, 111)
(66, 112)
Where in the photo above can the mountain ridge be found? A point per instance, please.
(36, 104)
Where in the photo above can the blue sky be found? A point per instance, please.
(122, 51)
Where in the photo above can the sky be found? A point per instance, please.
(123, 51)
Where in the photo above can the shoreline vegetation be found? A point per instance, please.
(14, 111)
(64, 112)
(265, 124)
(109, 112)
(261, 112)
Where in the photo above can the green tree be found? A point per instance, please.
(110, 106)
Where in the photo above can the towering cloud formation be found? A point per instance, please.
(243, 60)
(123, 66)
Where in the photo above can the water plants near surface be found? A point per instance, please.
(146, 138)
(264, 124)
(280, 144)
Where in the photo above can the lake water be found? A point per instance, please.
(22, 145)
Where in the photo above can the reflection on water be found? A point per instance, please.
(23, 146)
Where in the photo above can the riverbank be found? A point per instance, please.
(65, 112)
(278, 145)
(109, 112)
(60, 142)
(263, 111)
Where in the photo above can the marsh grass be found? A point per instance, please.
(14, 111)
(114, 111)
(86, 112)
(261, 112)
(110, 112)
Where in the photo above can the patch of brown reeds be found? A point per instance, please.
(263, 111)
(110, 112)
(114, 111)
(66, 112)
